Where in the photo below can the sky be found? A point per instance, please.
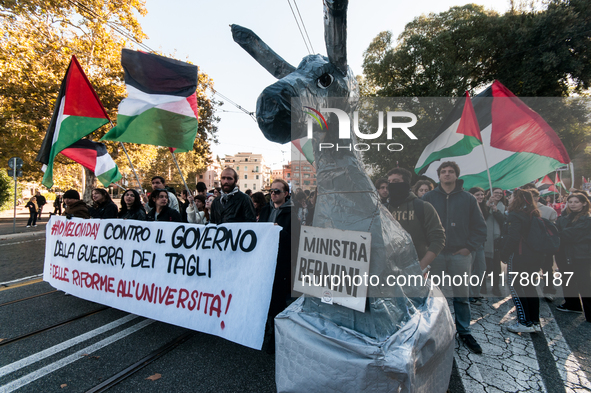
(199, 31)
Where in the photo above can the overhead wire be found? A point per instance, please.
(112, 25)
(146, 47)
(299, 28)
(249, 113)
(303, 25)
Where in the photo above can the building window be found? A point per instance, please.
(245, 177)
(246, 160)
(201, 176)
(288, 175)
(307, 182)
(257, 177)
(297, 168)
(254, 186)
(256, 168)
(245, 168)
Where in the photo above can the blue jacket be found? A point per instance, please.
(460, 216)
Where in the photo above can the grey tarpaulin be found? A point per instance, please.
(314, 354)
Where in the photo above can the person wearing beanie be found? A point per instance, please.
(74, 206)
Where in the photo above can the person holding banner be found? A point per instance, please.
(158, 183)
(103, 206)
(131, 206)
(233, 205)
(160, 209)
(196, 212)
(74, 206)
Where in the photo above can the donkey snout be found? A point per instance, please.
(274, 112)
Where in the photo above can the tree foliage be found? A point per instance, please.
(536, 53)
(6, 190)
(37, 40)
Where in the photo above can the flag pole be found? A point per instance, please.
(183, 178)
(487, 170)
(123, 188)
(130, 163)
(132, 167)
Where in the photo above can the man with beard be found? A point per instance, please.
(416, 216)
(232, 205)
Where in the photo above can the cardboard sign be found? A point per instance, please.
(215, 279)
(333, 265)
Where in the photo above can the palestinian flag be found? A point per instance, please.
(78, 112)
(304, 145)
(94, 156)
(546, 186)
(519, 144)
(457, 136)
(161, 104)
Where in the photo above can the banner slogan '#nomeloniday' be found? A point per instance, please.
(215, 279)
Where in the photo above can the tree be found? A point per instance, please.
(6, 190)
(542, 53)
(37, 39)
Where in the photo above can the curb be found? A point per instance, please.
(13, 236)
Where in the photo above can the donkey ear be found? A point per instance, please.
(261, 52)
(335, 32)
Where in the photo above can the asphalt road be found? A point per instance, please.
(83, 353)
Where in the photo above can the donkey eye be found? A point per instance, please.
(325, 80)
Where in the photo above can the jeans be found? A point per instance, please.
(456, 265)
(478, 269)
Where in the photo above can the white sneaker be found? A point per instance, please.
(519, 328)
(28, 226)
(537, 327)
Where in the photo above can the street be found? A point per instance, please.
(98, 343)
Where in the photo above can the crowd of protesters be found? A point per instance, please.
(453, 230)
(478, 230)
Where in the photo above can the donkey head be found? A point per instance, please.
(316, 78)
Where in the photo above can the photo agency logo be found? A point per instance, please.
(393, 122)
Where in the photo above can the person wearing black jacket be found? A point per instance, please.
(465, 231)
(41, 201)
(575, 248)
(32, 206)
(131, 206)
(160, 210)
(520, 258)
(103, 206)
(279, 211)
(233, 205)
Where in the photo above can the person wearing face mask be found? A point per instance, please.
(416, 216)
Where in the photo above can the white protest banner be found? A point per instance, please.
(334, 265)
(215, 279)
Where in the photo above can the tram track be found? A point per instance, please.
(59, 324)
(27, 298)
(135, 367)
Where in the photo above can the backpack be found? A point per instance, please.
(543, 236)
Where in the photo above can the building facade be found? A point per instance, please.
(252, 172)
(211, 177)
(300, 174)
